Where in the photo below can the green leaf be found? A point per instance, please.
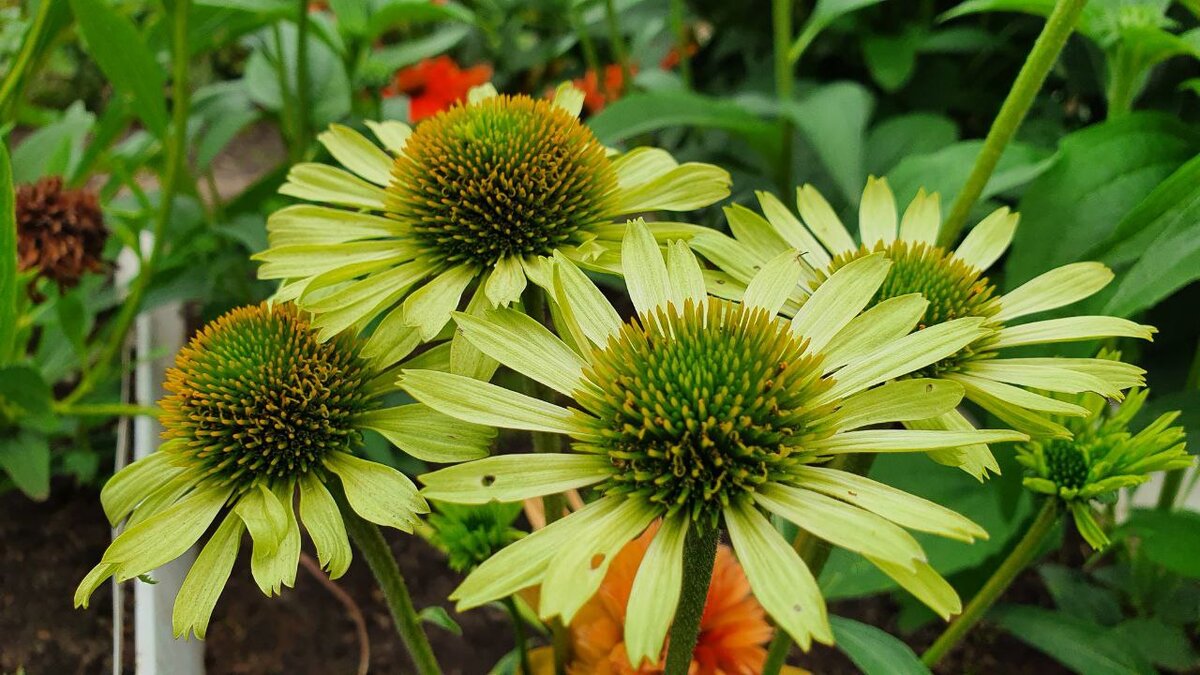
(643, 113)
(1080, 645)
(383, 62)
(834, 120)
(438, 616)
(25, 457)
(1159, 642)
(397, 12)
(945, 171)
(22, 385)
(329, 86)
(874, 651)
(113, 41)
(1171, 539)
(55, 149)
(891, 59)
(898, 137)
(1074, 595)
(1100, 174)
(8, 260)
(825, 13)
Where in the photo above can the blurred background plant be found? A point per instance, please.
(148, 139)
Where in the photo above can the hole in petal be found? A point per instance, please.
(488, 481)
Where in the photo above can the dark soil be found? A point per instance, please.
(46, 548)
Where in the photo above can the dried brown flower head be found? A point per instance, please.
(60, 231)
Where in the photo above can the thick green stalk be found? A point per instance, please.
(682, 40)
(106, 410)
(519, 634)
(10, 89)
(781, 20)
(1124, 70)
(699, 554)
(302, 109)
(175, 157)
(617, 43)
(374, 548)
(1020, 558)
(1029, 81)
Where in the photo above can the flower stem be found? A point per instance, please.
(1029, 81)
(1020, 558)
(1173, 479)
(681, 41)
(781, 21)
(699, 554)
(519, 634)
(302, 111)
(105, 410)
(374, 548)
(617, 43)
(11, 88)
(590, 60)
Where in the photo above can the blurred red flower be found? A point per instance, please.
(435, 84)
(595, 96)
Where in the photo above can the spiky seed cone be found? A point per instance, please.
(698, 408)
(256, 397)
(505, 176)
(1066, 463)
(60, 232)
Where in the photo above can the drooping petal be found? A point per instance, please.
(510, 478)
(988, 240)
(839, 299)
(129, 486)
(506, 283)
(583, 303)
(356, 153)
(1068, 376)
(206, 579)
(1057, 288)
(470, 400)
(164, 537)
(655, 592)
(324, 524)
(818, 215)
(275, 569)
(465, 357)
(907, 440)
(429, 307)
(877, 213)
(684, 188)
(975, 459)
(376, 492)
(1016, 395)
(526, 346)
(265, 518)
(925, 584)
(428, 434)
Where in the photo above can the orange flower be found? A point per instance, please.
(596, 97)
(672, 58)
(433, 85)
(733, 628)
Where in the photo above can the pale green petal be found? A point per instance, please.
(877, 213)
(331, 185)
(911, 399)
(465, 358)
(361, 301)
(376, 492)
(427, 434)
(731, 255)
(1058, 287)
(429, 307)
(484, 403)
(163, 537)
(506, 282)
(206, 579)
(925, 584)
(391, 341)
(906, 440)
(511, 478)
(645, 270)
(265, 517)
(988, 240)
(687, 279)
(721, 285)
(922, 218)
(684, 188)
(164, 497)
(756, 233)
(841, 524)
(655, 592)
(839, 300)
(818, 215)
(353, 151)
(523, 564)
(975, 459)
(904, 355)
(583, 304)
(302, 224)
(394, 135)
(569, 97)
(889, 320)
(575, 572)
(781, 582)
(770, 289)
(1032, 422)
(897, 506)
(791, 230)
(1070, 329)
(1088, 528)
(1068, 376)
(129, 486)
(480, 93)
(1016, 395)
(305, 260)
(98, 575)
(640, 166)
(324, 523)
(272, 570)
(526, 346)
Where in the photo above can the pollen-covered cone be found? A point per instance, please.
(707, 413)
(258, 412)
(955, 284)
(459, 210)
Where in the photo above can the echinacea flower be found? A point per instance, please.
(954, 284)
(702, 411)
(466, 202)
(436, 84)
(60, 231)
(259, 410)
(1102, 457)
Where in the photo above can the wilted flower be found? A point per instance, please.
(259, 410)
(1102, 457)
(60, 231)
(470, 534)
(436, 84)
(954, 286)
(701, 411)
(466, 203)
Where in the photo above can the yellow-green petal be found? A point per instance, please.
(510, 478)
(429, 435)
(324, 524)
(655, 592)
(378, 493)
(206, 579)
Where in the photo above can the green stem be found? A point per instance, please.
(1173, 480)
(1029, 81)
(699, 554)
(679, 27)
(10, 90)
(519, 634)
(176, 154)
(302, 111)
(1123, 75)
(1018, 559)
(374, 548)
(105, 410)
(589, 48)
(617, 43)
(287, 104)
(781, 20)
